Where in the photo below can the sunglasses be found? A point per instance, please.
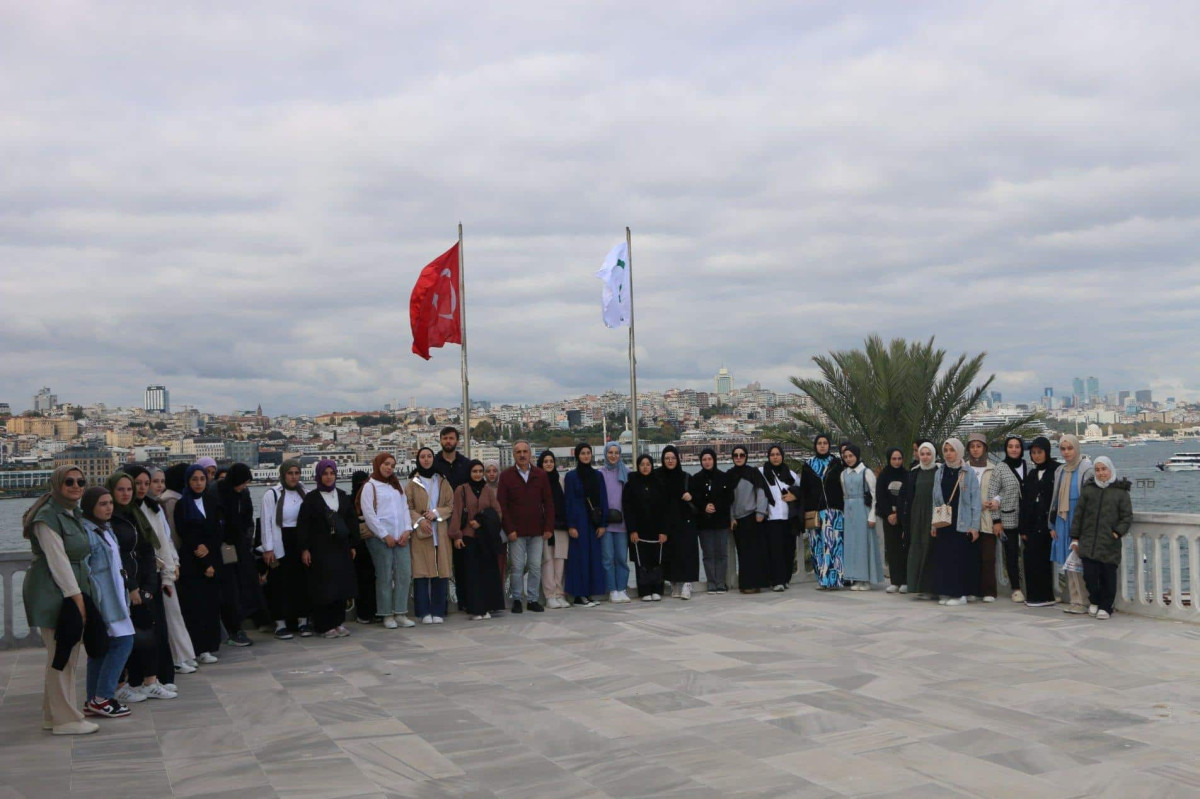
(71, 482)
(739, 454)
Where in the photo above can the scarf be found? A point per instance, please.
(933, 451)
(52, 497)
(190, 498)
(87, 504)
(136, 470)
(426, 473)
(284, 467)
(959, 449)
(556, 489)
(587, 477)
(779, 475)
(619, 467)
(1069, 468)
(376, 463)
(131, 513)
(751, 475)
(1112, 471)
(322, 466)
(892, 475)
(476, 487)
(1018, 462)
(673, 481)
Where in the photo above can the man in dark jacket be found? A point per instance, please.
(527, 514)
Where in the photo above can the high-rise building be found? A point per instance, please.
(158, 399)
(996, 398)
(1093, 390)
(724, 382)
(44, 401)
(1144, 396)
(1122, 396)
(1048, 391)
(5, 409)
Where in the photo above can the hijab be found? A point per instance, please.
(751, 475)
(204, 463)
(587, 476)
(91, 496)
(780, 474)
(674, 481)
(707, 472)
(959, 449)
(818, 462)
(857, 451)
(982, 460)
(377, 462)
(1042, 443)
(496, 483)
(426, 473)
(357, 480)
(890, 475)
(175, 477)
(1017, 462)
(136, 470)
(192, 500)
(1112, 471)
(556, 489)
(1068, 467)
(322, 465)
(55, 495)
(239, 474)
(933, 462)
(130, 512)
(619, 467)
(476, 487)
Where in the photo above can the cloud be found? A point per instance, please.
(236, 200)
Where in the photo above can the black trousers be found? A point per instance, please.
(231, 601)
(781, 551)
(1101, 580)
(149, 662)
(1012, 558)
(364, 572)
(287, 584)
(326, 617)
(895, 548)
(1039, 570)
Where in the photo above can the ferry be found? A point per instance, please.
(1182, 462)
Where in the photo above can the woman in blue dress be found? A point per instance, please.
(863, 564)
(1075, 469)
(587, 507)
(821, 486)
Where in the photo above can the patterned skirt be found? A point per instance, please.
(827, 546)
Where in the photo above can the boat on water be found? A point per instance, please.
(1181, 462)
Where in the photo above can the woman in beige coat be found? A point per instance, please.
(475, 529)
(430, 501)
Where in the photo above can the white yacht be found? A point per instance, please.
(1182, 462)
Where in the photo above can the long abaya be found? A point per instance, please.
(956, 557)
(919, 521)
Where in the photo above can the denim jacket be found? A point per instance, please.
(970, 504)
(113, 606)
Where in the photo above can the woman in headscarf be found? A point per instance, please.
(137, 541)
(287, 583)
(863, 564)
(178, 640)
(384, 509)
(916, 519)
(58, 574)
(614, 544)
(165, 601)
(364, 566)
(430, 500)
(325, 533)
(710, 491)
(784, 485)
(174, 486)
(1102, 518)
(1037, 495)
(750, 498)
(1068, 480)
(199, 526)
(111, 586)
(554, 553)
(956, 556)
(645, 506)
(587, 508)
(683, 544)
(1010, 512)
(821, 487)
(887, 511)
(475, 529)
(491, 473)
(241, 595)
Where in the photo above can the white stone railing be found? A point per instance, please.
(1153, 578)
(12, 564)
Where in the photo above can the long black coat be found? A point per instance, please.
(1036, 496)
(712, 488)
(326, 536)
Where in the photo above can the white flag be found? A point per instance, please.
(615, 298)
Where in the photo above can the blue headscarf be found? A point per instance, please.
(191, 498)
(819, 463)
(619, 467)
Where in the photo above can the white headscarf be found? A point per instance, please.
(933, 451)
(1112, 471)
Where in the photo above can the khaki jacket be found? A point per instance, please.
(427, 560)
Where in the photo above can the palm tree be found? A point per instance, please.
(890, 395)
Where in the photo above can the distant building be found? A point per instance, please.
(242, 452)
(1122, 398)
(209, 448)
(24, 479)
(44, 401)
(5, 409)
(1078, 391)
(61, 429)
(96, 462)
(1093, 390)
(1144, 396)
(158, 399)
(996, 398)
(574, 418)
(724, 383)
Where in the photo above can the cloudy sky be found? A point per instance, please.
(234, 199)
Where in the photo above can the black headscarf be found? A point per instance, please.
(239, 474)
(147, 503)
(476, 487)
(636, 475)
(674, 481)
(426, 473)
(91, 496)
(174, 477)
(1019, 461)
(780, 474)
(1042, 443)
(556, 489)
(357, 481)
(703, 452)
(751, 475)
(587, 475)
(856, 450)
(892, 474)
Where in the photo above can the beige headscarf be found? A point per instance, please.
(56, 486)
(956, 445)
(1068, 470)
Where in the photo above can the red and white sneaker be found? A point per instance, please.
(105, 708)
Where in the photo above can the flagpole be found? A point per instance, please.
(633, 410)
(462, 308)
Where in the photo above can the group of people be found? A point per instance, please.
(151, 572)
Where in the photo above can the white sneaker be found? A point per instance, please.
(389, 622)
(624, 596)
(405, 621)
(332, 633)
(657, 597)
(157, 691)
(185, 668)
(777, 588)
(955, 603)
(865, 587)
(128, 695)
(891, 589)
(904, 589)
(170, 686)
(427, 620)
(687, 591)
(648, 598)
(192, 663)
(989, 599)
(206, 658)
(438, 620)
(1018, 596)
(1102, 614)
(943, 601)
(614, 597)
(1093, 610)
(75, 728)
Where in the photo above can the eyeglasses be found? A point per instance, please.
(71, 482)
(739, 455)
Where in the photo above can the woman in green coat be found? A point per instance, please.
(1102, 518)
(54, 527)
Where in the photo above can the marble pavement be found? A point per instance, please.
(802, 694)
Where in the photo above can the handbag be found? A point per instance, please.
(652, 575)
(143, 624)
(229, 554)
(364, 532)
(944, 514)
(614, 516)
(810, 520)
(594, 514)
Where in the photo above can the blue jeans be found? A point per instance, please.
(393, 577)
(103, 674)
(430, 595)
(525, 555)
(614, 557)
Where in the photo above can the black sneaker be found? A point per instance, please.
(516, 608)
(239, 639)
(105, 708)
(535, 607)
(283, 634)
(306, 631)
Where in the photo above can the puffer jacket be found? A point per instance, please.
(1102, 518)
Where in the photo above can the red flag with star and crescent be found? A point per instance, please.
(435, 308)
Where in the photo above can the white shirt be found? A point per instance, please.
(384, 509)
(272, 534)
(331, 498)
(525, 474)
(779, 511)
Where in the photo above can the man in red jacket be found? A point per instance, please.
(527, 515)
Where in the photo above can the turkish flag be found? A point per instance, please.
(435, 308)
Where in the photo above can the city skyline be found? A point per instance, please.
(237, 208)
